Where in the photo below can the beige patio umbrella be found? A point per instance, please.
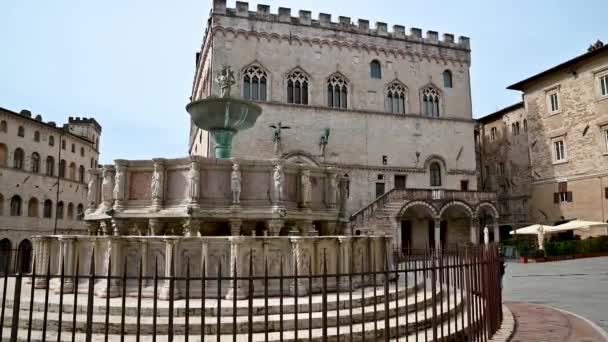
(530, 230)
(576, 224)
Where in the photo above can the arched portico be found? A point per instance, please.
(455, 219)
(417, 220)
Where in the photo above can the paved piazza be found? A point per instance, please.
(579, 286)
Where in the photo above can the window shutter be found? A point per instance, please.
(562, 186)
(569, 196)
(606, 192)
(556, 197)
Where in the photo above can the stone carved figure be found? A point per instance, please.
(324, 140)
(541, 237)
(194, 177)
(156, 184)
(486, 235)
(225, 78)
(333, 189)
(235, 184)
(92, 190)
(119, 184)
(276, 136)
(278, 183)
(306, 187)
(107, 187)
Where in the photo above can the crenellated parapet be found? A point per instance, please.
(344, 23)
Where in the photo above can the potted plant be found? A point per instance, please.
(539, 255)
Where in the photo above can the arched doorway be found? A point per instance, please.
(5, 256)
(455, 224)
(24, 257)
(415, 218)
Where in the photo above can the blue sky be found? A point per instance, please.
(130, 63)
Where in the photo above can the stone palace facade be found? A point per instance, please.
(390, 108)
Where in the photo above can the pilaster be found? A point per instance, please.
(474, 230)
(170, 261)
(42, 256)
(67, 257)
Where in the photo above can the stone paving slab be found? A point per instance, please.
(540, 323)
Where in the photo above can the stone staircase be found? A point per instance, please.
(413, 313)
(379, 216)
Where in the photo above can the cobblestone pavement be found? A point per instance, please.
(539, 323)
(578, 286)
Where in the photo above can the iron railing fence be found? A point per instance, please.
(431, 295)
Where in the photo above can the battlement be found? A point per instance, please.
(344, 24)
(84, 120)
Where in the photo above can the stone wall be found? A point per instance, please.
(511, 148)
(581, 121)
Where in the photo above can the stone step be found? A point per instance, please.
(211, 309)
(227, 323)
(373, 330)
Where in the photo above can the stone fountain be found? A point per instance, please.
(223, 116)
(168, 214)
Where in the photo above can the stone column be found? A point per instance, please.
(496, 233)
(474, 230)
(67, 257)
(155, 227)
(275, 226)
(302, 265)
(170, 260)
(343, 216)
(235, 227)
(157, 185)
(113, 263)
(42, 255)
(236, 269)
(144, 260)
(437, 234)
(344, 267)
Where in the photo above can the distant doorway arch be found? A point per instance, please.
(5, 255)
(24, 257)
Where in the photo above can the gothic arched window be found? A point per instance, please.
(51, 140)
(337, 92)
(375, 69)
(18, 159)
(36, 136)
(72, 171)
(435, 173)
(396, 96)
(430, 102)
(447, 79)
(35, 162)
(255, 80)
(21, 131)
(3, 126)
(297, 88)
